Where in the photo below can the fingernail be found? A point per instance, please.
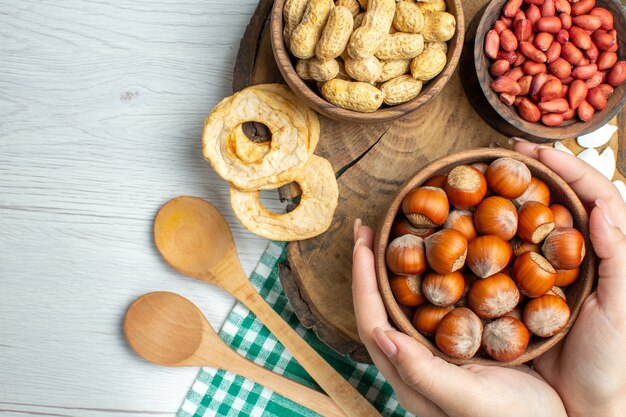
(357, 226)
(384, 342)
(540, 148)
(606, 212)
(515, 140)
(359, 242)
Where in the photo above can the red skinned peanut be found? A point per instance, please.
(550, 24)
(511, 8)
(577, 93)
(552, 119)
(560, 68)
(584, 72)
(537, 84)
(558, 105)
(551, 90)
(617, 75)
(505, 84)
(570, 114)
(566, 20)
(533, 68)
(507, 99)
(508, 55)
(543, 40)
(585, 111)
(606, 60)
(515, 73)
(563, 6)
(523, 29)
(508, 41)
(533, 14)
(596, 98)
(499, 67)
(524, 84)
(582, 7)
(548, 8)
(492, 44)
(602, 39)
(592, 52)
(605, 16)
(596, 80)
(613, 48)
(531, 52)
(499, 26)
(562, 36)
(587, 21)
(606, 89)
(529, 111)
(553, 52)
(571, 53)
(579, 37)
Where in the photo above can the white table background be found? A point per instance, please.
(101, 111)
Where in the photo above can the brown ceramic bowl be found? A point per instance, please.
(505, 118)
(561, 193)
(309, 92)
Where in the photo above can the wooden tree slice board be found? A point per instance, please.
(371, 163)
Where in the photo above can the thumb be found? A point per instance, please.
(609, 243)
(449, 386)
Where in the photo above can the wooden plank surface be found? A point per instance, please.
(371, 162)
(101, 111)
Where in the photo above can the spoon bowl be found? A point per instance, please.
(167, 329)
(194, 238)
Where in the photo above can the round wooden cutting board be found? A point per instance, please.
(371, 162)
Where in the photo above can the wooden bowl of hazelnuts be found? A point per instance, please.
(361, 62)
(484, 257)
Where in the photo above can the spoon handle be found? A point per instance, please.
(337, 388)
(298, 393)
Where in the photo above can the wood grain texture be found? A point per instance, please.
(371, 163)
(101, 111)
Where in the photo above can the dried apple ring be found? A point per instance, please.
(295, 132)
(310, 218)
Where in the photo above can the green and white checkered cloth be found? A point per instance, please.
(220, 393)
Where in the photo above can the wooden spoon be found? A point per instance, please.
(194, 239)
(167, 329)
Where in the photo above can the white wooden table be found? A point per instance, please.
(101, 110)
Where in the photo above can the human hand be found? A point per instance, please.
(427, 385)
(588, 369)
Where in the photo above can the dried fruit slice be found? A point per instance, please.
(310, 218)
(295, 132)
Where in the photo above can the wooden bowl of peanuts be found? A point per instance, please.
(366, 66)
(577, 48)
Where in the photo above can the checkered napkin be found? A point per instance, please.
(220, 393)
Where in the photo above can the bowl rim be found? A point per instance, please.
(588, 268)
(315, 100)
(569, 129)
